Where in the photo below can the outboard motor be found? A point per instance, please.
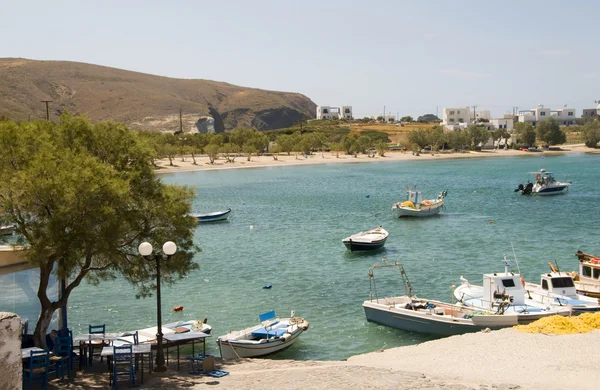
(520, 188)
(528, 188)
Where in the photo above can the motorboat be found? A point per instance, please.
(416, 206)
(365, 241)
(8, 230)
(271, 335)
(587, 279)
(504, 292)
(558, 289)
(545, 184)
(212, 217)
(407, 312)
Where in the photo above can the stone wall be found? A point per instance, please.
(10, 351)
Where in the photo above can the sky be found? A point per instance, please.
(413, 57)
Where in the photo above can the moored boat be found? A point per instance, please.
(271, 335)
(545, 184)
(416, 206)
(407, 312)
(7, 230)
(587, 279)
(505, 292)
(558, 289)
(212, 217)
(369, 240)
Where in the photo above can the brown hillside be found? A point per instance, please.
(141, 100)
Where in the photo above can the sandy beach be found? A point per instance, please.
(202, 162)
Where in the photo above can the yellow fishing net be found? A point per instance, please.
(408, 203)
(563, 325)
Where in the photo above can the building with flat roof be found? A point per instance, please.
(565, 116)
(453, 118)
(334, 112)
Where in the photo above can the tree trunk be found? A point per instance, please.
(194, 158)
(41, 328)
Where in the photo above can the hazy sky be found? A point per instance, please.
(409, 56)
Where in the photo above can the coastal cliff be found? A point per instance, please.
(140, 100)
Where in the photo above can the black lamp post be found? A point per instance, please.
(145, 249)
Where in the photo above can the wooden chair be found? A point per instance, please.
(96, 344)
(62, 356)
(37, 369)
(122, 365)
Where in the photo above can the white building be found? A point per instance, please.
(564, 116)
(502, 123)
(331, 112)
(483, 114)
(454, 118)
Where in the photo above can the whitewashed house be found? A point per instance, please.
(333, 112)
(565, 116)
(456, 118)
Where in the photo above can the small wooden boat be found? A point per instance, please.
(587, 280)
(212, 217)
(365, 241)
(416, 206)
(270, 336)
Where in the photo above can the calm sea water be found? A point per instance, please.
(299, 215)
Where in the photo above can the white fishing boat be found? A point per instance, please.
(505, 292)
(413, 314)
(212, 217)
(545, 184)
(365, 241)
(558, 289)
(587, 279)
(270, 336)
(416, 206)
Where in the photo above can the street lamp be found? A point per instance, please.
(145, 249)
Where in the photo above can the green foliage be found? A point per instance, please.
(83, 197)
(591, 133)
(212, 152)
(407, 119)
(477, 135)
(381, 147)
(549, 131)
(525, 133)
(230, 151)
(457, 139)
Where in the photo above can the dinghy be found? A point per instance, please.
(365, 241)
(212, 217)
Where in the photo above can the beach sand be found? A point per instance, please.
(202, 161)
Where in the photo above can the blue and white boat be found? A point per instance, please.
(558, 289)
(504, 292)
(270, 336)
(212, 217)
(367, 241)
(407, 312)
(416, 206)
(545, 184)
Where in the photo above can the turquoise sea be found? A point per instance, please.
(286, 230)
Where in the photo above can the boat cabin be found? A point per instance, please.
(415, 197)
(589, 268)
(560, 283)
(494, 285)
(545, 177)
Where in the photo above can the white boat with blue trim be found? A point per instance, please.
(212, 217)
(416, 206)
(505, 292)
(545, 184)
(429, 316)
(271, 335)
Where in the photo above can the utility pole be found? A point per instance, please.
(47, 111)
(383, 114)
(474, 115)
(180, 122)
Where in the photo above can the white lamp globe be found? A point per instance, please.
(145, 249)
(169, 248)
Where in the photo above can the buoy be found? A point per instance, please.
(178, 308)
(251, 227)
(491, 222)
(474, 192)
(268, 286)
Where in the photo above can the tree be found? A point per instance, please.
(381, 147)
(83, 197)
(525, 133)
(336, 146)
(420, 137)
(364, 143)
(230, 150)
(407, 119)
(275, 150)
(591, 133)
(457, 139)
(249, 148)
(286, 143)
(499, 134)
(212, 151)
(477, 135)
(549, 131)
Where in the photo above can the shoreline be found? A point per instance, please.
(330, 158)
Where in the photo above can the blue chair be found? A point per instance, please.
(96, 344)
(37, 370)
(122, 365)
(62, 356)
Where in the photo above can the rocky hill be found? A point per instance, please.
(140, 100)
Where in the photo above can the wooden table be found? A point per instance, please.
(178, 339)
(26, 352)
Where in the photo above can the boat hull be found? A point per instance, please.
(554, 190)
(355, 246)
(213, 217)
(231, 349)
(420, 322)
(424, 211)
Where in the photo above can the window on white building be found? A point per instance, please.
(543, 113)
(457, 112)
(347, 111)
(570, 113)
(451, 120)
(451, 113)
